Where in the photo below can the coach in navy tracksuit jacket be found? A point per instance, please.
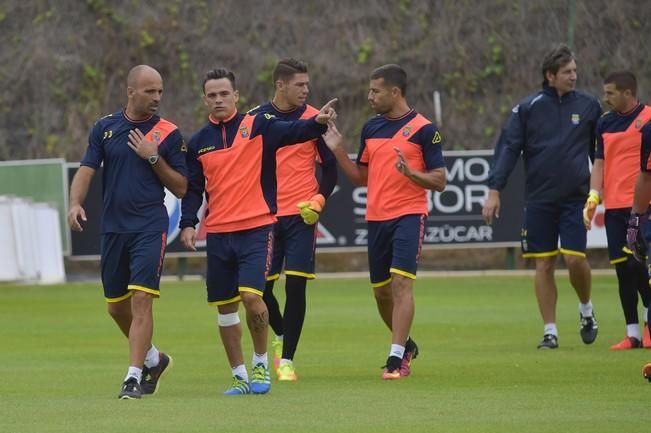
(554, 130)
(555, 135)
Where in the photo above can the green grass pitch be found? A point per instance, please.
(62, 360)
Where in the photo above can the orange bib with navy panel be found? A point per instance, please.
(621, 162)
(390, 194)
(295, 172)
(235, 197)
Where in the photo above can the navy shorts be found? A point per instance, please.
(616, 221)
(544, 223)
(132, 261)
(237, 262)
(394, 247)
(294, 244)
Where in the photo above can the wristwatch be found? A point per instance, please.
(153, 159)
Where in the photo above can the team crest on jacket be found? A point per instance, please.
(156, 136)
(638, 124)
(576, 119)
(406, 131)
(244, 132)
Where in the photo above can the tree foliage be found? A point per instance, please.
(63, 63)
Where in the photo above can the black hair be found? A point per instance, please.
(217, 74)
(392, 75)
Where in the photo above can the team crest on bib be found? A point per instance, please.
(406, 131)
(576, 119)
(156, 136)
(244, 132)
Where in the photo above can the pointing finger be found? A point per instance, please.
(330, 103)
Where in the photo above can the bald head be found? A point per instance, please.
(144, 91)
(141, 72)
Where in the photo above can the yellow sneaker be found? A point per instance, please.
(277, 347)
(286, 373)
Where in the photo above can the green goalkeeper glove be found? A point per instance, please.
(311, 209)
(590, 207)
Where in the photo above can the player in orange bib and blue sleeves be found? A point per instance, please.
(142, 153)
(233, 160)
(400, 158)
(639, 230)
(301, 198)
(613, 178)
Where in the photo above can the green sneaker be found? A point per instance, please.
(286, 372)
(260, 379)
(239, 386)
(277, 347)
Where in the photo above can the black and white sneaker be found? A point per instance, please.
(549, 341)
(588, 328)
(151, 376)
(130, 389)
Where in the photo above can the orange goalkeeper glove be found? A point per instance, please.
(311, 209)
(590, 207)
